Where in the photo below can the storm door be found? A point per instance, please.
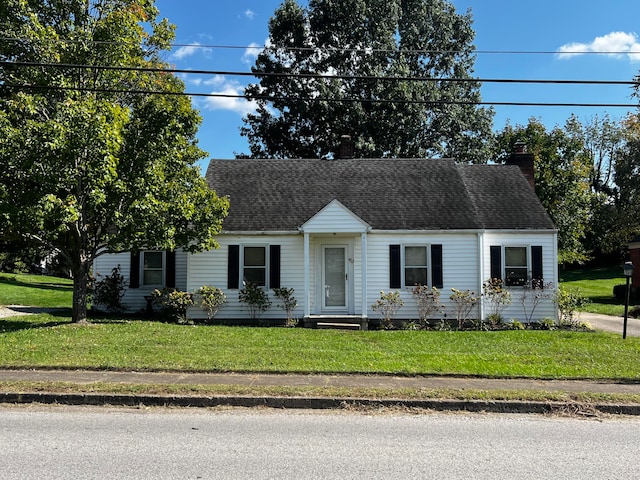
(334, 278)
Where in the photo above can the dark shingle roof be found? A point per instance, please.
(388, 194)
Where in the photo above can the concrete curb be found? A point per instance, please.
(317, 403)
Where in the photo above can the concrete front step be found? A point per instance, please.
(350, 322)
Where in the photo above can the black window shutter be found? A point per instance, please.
(274, 266)
(134, 270)
(496, 261)
(395, 266)
(170, 271)
(436, 266)
(536, 266)
(233, 267)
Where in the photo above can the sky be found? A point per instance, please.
(581, 40)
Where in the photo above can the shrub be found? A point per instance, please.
(256, 300)
(210, 300)
(109, 291)
(289, 303)
(173, 303)
(532, 294)
(387, 307)
(428, 301)
(498, 298)
(463, 302)
(568, 301)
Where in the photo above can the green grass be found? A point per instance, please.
(597, 284)
(35, 290)
(49, 341)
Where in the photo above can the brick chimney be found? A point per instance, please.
(524, 160)
(346, 147)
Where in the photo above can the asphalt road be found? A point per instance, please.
(80, 442)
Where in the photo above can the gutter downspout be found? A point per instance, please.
(307, 269)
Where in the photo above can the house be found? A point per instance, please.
(340, 231)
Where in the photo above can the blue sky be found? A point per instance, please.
(560, 26)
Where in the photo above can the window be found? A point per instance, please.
(153, 268)
(254, 269)
(411, 265)
(256, 264)
(415, 266)
(515, 266)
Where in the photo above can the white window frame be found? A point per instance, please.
(266, 264)
(163, 269)
(527, 267)
(403, 266)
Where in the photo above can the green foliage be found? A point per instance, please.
(173, 303)
(568, 302)
(463, 301)
(497, 299)
(428, 301)
(210, 299)
(109, 290)
(562, 175)
(387, 307)
(289, 302)
(333, 51)
(90, 166)
(256, 300)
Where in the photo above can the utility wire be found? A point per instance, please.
(270, 98)
(317, 75)
(332, 49)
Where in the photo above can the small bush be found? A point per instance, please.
(289, 303)
(109, 291)
(256, 300)
(428, 301)
(498, 298)
(568, 301)
(173, 303)
(463, 301)
(210, 300)
(387, 307)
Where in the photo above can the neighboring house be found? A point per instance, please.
(341, 231)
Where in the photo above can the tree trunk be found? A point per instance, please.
(80, 292)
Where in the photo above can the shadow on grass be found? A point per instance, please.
(9, 280)
(604, 273)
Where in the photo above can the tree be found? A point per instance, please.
(90, 164)
(378, 70)
(562, 178)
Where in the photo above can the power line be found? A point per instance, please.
(270, 98)
(319, 75)
(333, 49)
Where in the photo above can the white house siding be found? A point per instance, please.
(210, 268)
(459, 262)
(134, 297)
(546, 308)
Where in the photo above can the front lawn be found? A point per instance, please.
(597, 285)
(48, 341)
(35, 290)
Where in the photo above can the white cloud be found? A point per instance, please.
(251, 53)
(615, 44)
(228, 98)
(185, 51)
(250, 14)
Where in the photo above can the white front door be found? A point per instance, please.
(335, 281)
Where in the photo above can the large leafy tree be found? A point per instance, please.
(380, 70)
(90, 164)
(562, 174)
